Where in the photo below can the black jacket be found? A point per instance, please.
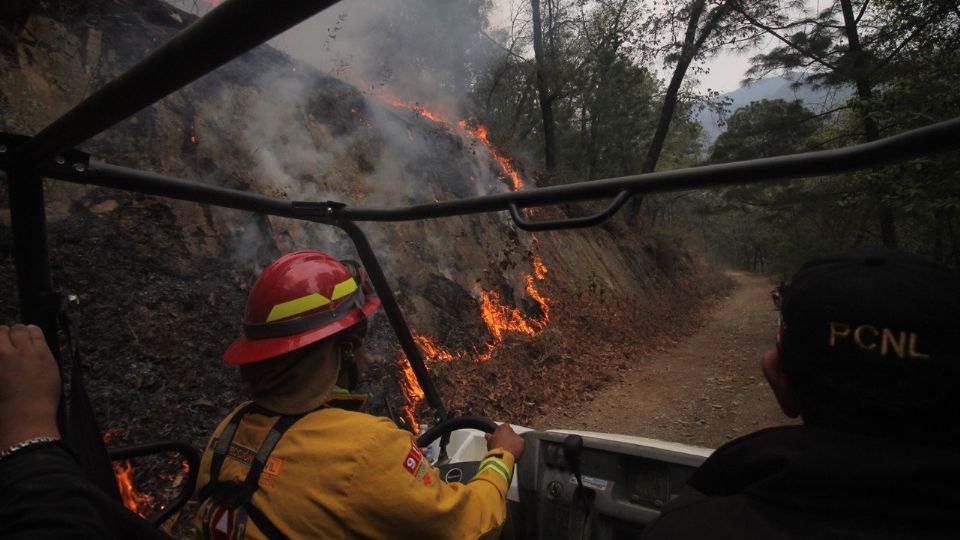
(42, 495)
(803, 482)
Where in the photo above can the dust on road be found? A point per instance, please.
(705, 390)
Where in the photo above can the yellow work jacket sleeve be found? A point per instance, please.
(396, 494)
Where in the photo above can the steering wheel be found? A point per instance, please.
(465, 470)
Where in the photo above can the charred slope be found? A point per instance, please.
(162, 283)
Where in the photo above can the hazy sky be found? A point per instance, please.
(726, 70)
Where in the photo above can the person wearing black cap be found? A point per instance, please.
(868, 355)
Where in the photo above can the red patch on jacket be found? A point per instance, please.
(413, 459)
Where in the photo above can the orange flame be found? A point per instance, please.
(409, 386)
(500, 318)
(539, 299)
(477, 132)
(435, 353)
(421, 109)
(539, 269)
(411, 392)
(135, 501)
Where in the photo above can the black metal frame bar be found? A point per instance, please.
(223, 34)
(931, 139)
(392, 309)
(28, 221)
(237, 26)
(79, 169)
(571, 223)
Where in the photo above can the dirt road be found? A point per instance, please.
(705, 390)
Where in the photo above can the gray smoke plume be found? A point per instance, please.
(422, 50)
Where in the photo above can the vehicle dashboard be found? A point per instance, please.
(625, 485)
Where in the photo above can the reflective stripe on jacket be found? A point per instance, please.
(344, 474)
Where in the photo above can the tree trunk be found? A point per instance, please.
(584, 143)
(518, 113)
(687, 53)
(543, 91)
(861, 77)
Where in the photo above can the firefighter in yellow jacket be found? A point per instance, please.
(298, 461)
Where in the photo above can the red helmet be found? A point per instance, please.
(300, 299)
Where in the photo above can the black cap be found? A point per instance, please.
(873, 333)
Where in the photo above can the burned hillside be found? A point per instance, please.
(162, 283)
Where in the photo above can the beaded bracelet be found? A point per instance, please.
(24, 444)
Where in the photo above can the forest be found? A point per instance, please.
(396, 102)
(583, 90)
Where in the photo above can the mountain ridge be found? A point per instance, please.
(788, 87)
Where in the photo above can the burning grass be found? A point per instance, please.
(474, 131)
(501, 321)
(580, 344)
(146, 488)
(589, 344)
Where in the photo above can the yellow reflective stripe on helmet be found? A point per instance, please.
(344, 289)
(297, 306)
(311, 301)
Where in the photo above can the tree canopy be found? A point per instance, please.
(612, 92)
(765, 128)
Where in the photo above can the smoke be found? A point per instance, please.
(429, 51)
(266, 137)
(423, 50)
(292, 152)
(426, 161)
(296, 144)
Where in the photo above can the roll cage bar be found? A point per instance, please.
(237, 26)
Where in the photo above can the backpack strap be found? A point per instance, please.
(234, 496)
(220, 449)
(252, 482)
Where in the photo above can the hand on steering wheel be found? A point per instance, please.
(450, 425)
(501, 436)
